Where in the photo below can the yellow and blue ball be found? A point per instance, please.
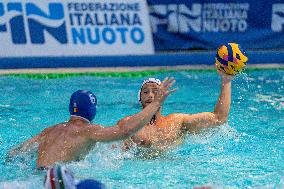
(230, 59)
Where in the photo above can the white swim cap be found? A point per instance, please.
(149, 80)
(59, 177)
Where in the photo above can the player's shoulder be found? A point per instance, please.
(48, 129)
(91, 127)
(176, 116)
(87, 130)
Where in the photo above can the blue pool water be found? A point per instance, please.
(248, 152)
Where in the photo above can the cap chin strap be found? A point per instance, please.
(81, 118)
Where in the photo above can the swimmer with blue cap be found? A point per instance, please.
(164, 132)
(72, 140)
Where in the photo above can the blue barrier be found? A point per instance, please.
(172, 59)
(207, 24)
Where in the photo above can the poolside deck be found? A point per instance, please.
(126, 69)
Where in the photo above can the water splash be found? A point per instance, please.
(30, 183)
(275, 100)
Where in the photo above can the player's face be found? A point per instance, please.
(148, 93)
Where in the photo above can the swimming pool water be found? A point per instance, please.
(248, 152)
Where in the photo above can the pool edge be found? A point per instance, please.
(127, 69)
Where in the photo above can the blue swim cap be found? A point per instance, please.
(83, 103)
(90, 184)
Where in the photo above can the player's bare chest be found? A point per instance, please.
(151, 131)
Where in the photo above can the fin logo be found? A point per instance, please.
(178, 18)
(3, 27)
(38, 22)
(277, 17)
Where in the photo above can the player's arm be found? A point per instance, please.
(130, 125)
(123, 129)
(28, 145)
(220, 114)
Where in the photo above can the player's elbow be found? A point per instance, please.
(124, 132)
(221, 119)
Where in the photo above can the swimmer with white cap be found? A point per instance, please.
(164, 132)
(59, 177)
(72, 140)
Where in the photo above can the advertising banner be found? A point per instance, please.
(206, 24)
(33, 28)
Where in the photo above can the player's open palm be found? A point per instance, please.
(165, 91)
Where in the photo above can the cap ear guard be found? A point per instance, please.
(149, 80)
(139, 95)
